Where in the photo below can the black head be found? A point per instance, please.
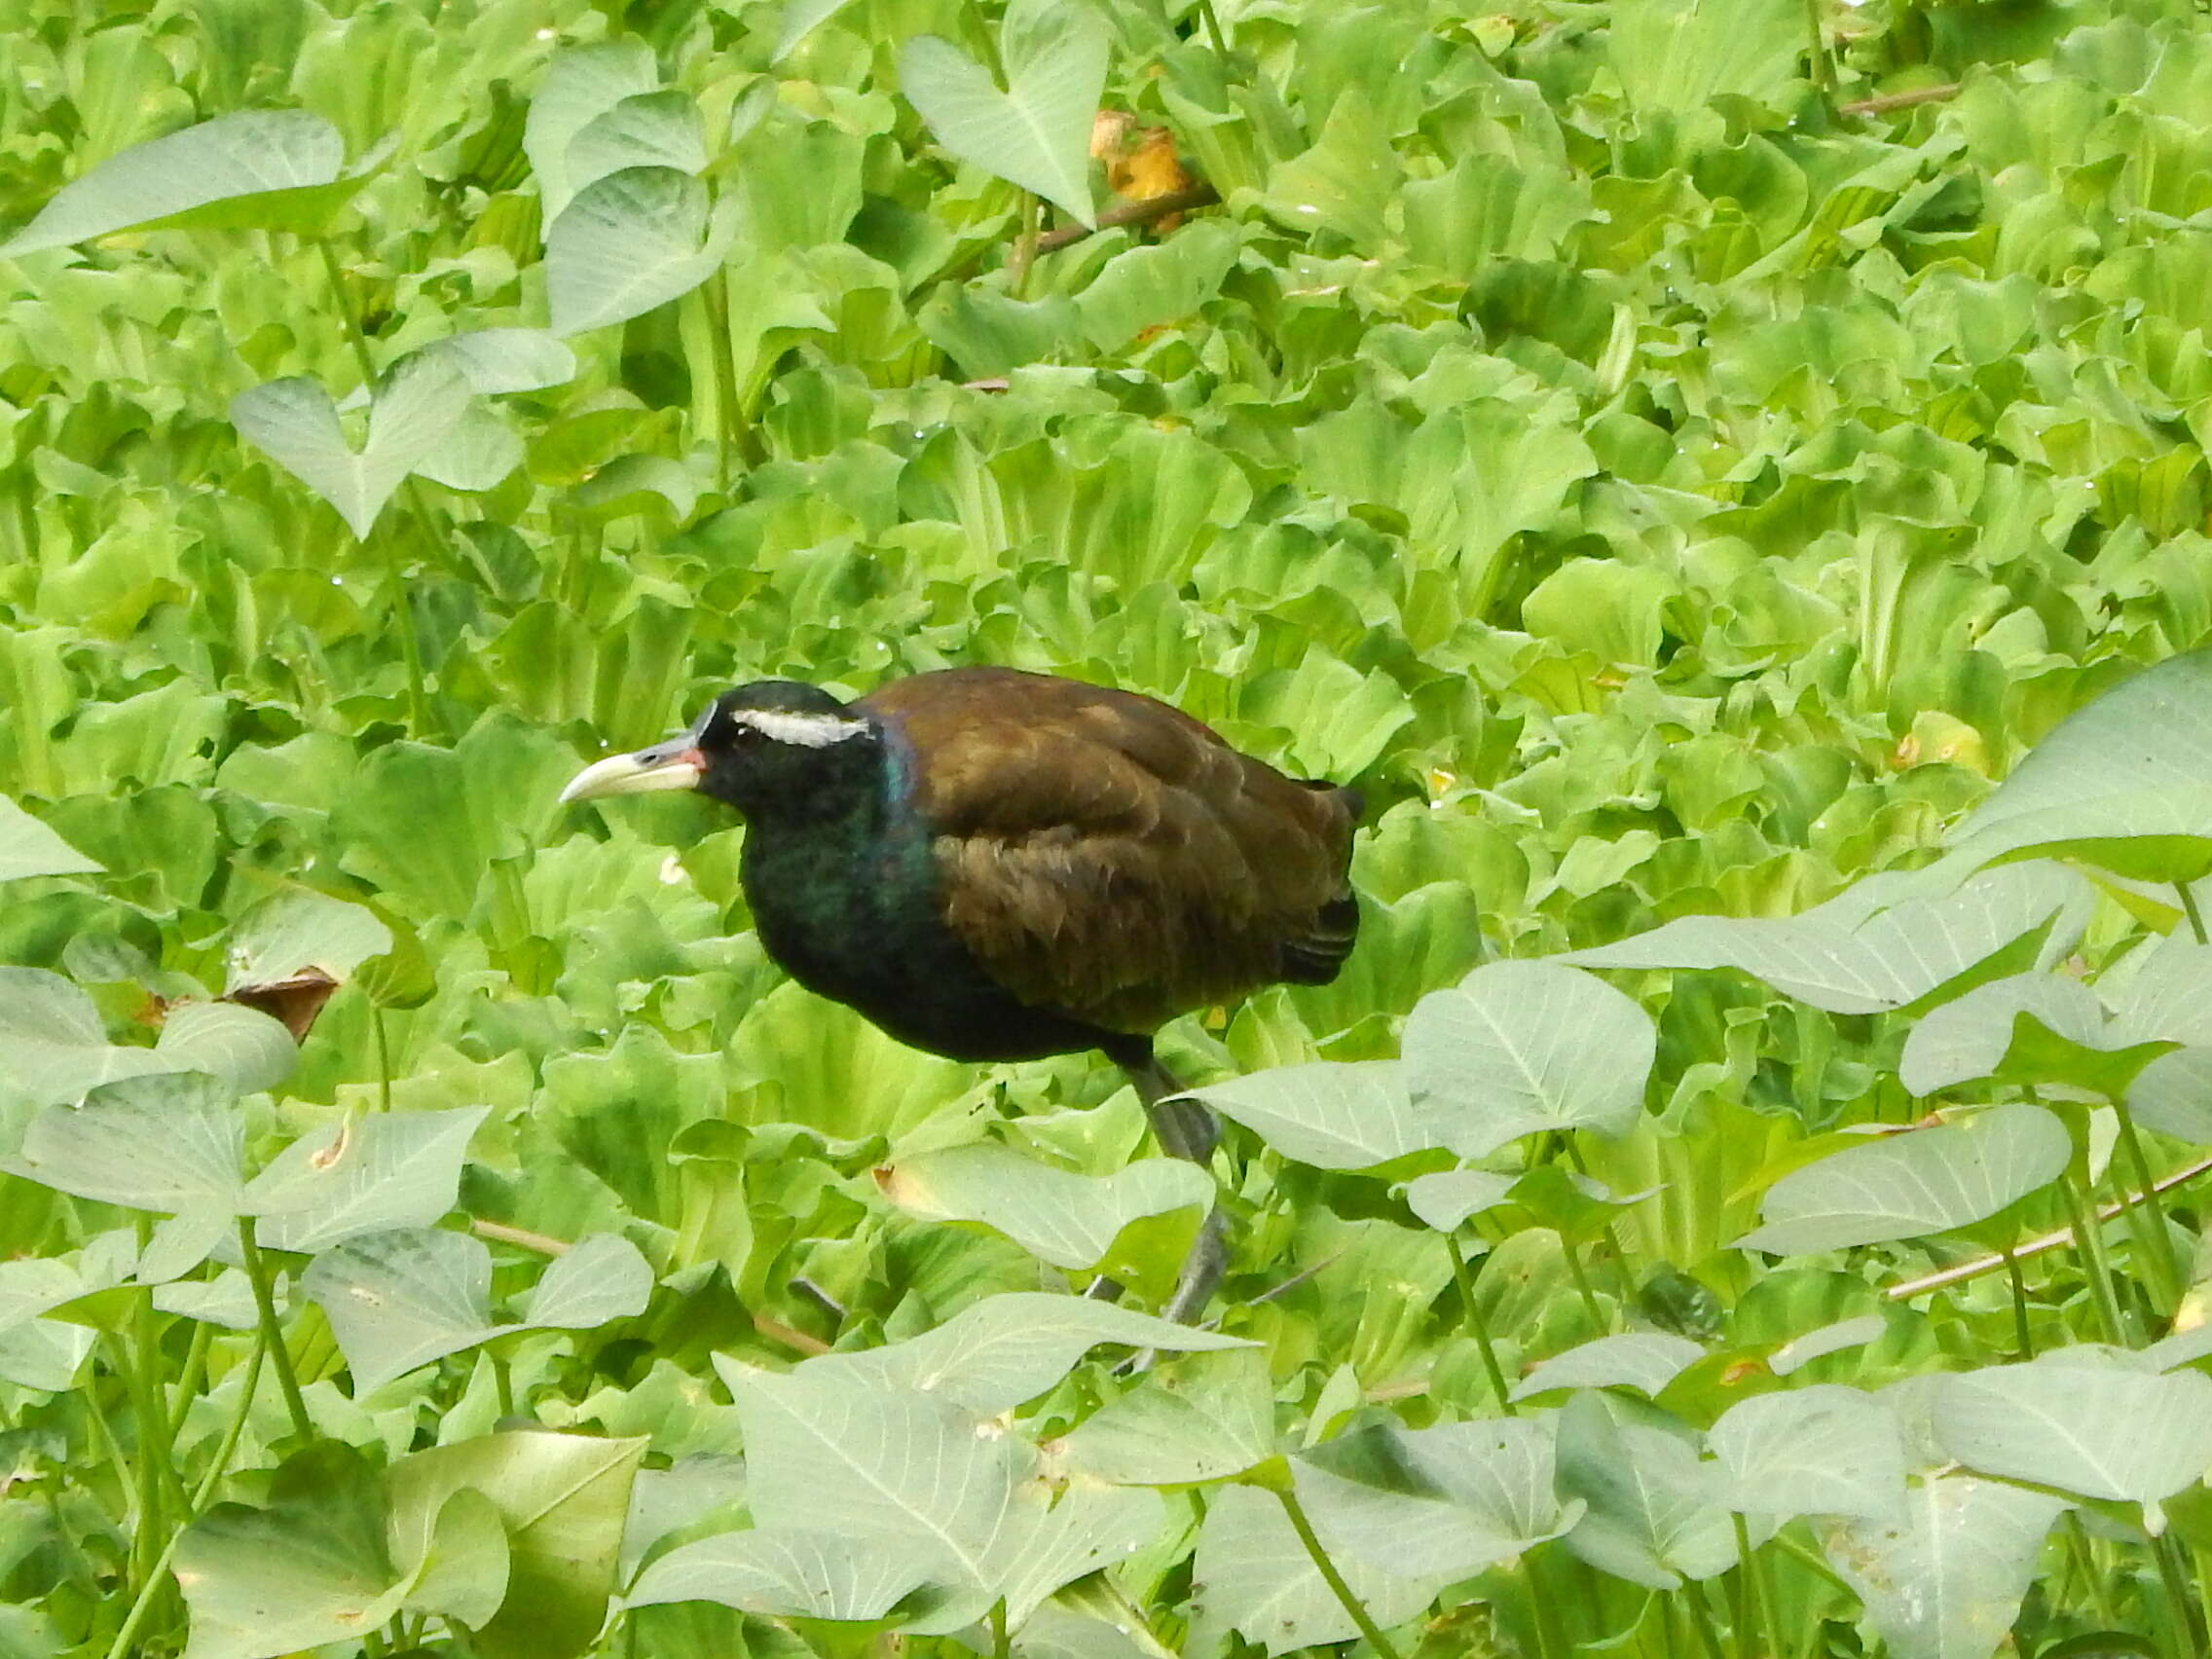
(774, 745)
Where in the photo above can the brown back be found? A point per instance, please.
(1108, 856)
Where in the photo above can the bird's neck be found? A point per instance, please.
(838, 865)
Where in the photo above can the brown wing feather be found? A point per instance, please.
(1107, 854)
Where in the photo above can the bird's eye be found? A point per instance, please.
(743, 735)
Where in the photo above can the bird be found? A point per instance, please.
(993, 864)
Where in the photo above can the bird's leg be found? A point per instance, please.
(1187, 1129)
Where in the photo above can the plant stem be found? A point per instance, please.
(144, 1602)
(2089, 1246)
(2020, 1331)
(1024, 245)
(2166, 1552)
(194, 1373)
(1740, 1615)
(1701, 1619)
(272, 1335)
(1466, 1282)
(2078, 1542)
(2188, 909)
(143, 1378)
(354, 335)
(1214, 36)
(1000, 1648)
(1823, 73)
(725, 384)
(2154, 1220)
(1334, 1579)
(1551, 1641)
(1573, 1151)
(1582, 1286)
(1751, 1566)
(503, 1381)
(1812, 1559)
(384, 1057)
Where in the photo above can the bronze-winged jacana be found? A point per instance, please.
(998, 866)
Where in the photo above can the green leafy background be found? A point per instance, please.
(1672, 457)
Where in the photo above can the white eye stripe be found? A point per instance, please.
(807, 731)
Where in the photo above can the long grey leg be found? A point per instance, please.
(1186, 1129)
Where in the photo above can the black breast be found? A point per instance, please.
(856, 913)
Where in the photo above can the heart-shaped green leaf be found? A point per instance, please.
(415, 410)
(629, 242)
(1035, 133)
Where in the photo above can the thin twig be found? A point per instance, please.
(1888, 101)
(776, 1331)
(1131, 213)
(499, 1232)
(1980, 1265)
(1283, 1287)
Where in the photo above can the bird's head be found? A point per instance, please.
(774, 743)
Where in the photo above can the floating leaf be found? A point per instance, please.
(244, 1047)
(1447, 1198)
(1071, 1220)
(2125, 783)
(1946, 1579)
(2036, 1028)
(366, 1175)
(1450, 1500)
(580, 86)
(1005, 1349)
(166, 1143)
(1523, 1046)
(1910, 1184)
(1201, 1419)
(497, 361)
(594, 1283)
(646, 130)
(401, 1299)
(1655, 1514)
(311, 1567)
(1794, 1356)
(563, 1499)
(784, 1572)
(2173, 1095)
(917, 1474)
(1252, 1575)
(1840, 959)
(2067, 1422)
(1816, 1451)
(630, 242)
(1333, 1114)
(1644, 1360)
(271, 170)
(28, 848)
